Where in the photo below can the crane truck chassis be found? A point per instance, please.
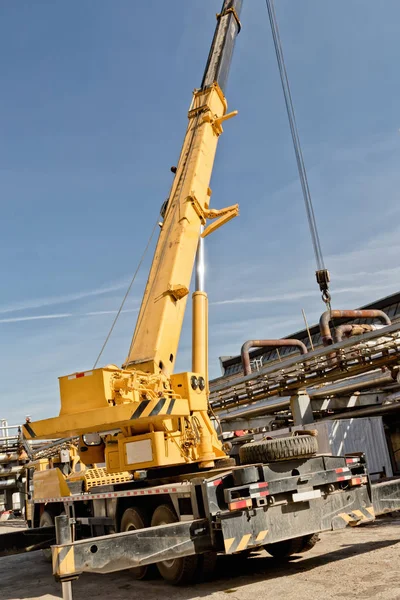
(187, 522)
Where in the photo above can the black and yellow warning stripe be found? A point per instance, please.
(63, 560)
(28, 428)
(358, 516)
(152, 408)
(142, 410)
(242, 542)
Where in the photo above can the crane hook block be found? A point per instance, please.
(323, 279)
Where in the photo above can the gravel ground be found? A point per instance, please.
(356, 563)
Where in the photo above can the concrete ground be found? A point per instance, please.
(356, 563)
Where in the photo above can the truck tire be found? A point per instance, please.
(245, 475)
(132, 519)
(205, 567)
(46, 520)
(285, 548)
(222, 463)
(309, 542)
(277, 449)
(178, 571)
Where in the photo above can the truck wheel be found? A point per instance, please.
(132, 519)
(177, 571)
(309, 542)
(285, 448)
(46, 520)
(222, 463)
(206, 566)
(285, 548)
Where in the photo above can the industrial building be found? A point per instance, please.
(373, 396)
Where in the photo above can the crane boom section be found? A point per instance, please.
(160, 319)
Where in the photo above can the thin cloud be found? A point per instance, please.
(37, 318)
(298, 295)
(65, 315)
(53, 300)
(262, 299)
(108, 312)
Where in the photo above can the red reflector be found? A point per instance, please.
(355, 481)
(342, 470)
(266, 493)
(240, 504)
(80, 375)
(263, 484)
(217, 482)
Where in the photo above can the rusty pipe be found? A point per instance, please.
(349, 330)
(8, 483)
(245, 351)
(328, 315)
(7, 457)
(5, 471)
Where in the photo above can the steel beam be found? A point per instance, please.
(110, 553)
(386, 496)
(27, 540)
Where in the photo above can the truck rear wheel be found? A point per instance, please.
(293, 546)
(277, 449)
(132, 519)
(177, 571)
(46, 520)
(285, 548)
(206, 566)
(309, 542)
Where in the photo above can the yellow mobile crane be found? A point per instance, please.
(162, 417)
(166, 495)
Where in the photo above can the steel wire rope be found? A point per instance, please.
(180, 182)
(295, 137)
(126, 294)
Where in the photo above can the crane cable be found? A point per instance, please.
(322, 274)
(126, 295)
(180, 183)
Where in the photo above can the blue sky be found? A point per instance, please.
(92, 114)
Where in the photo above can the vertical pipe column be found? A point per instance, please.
(301, 409)
(200, 348)
(200, 317)
(200, 268)
(200, 335)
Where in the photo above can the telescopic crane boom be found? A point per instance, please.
(156, 338)
(148, 416)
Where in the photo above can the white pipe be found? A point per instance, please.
(200, 268)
